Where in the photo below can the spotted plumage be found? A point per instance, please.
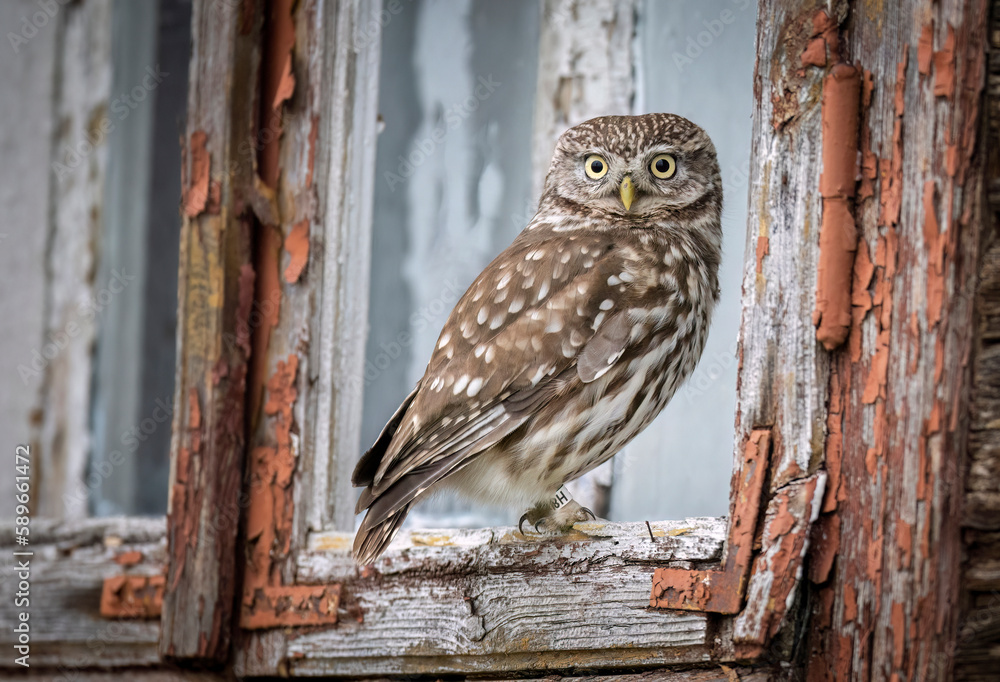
(573, 339)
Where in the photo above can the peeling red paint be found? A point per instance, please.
(294, 606)
(763, 247)
(196, 193)
(268, 291)
(933, 243)
(824, 36)
(944, 67)
(286, 83)
(276, 77)
(925, 48)
(128, 558)
(297, 246)
(825, 543)
(786, 535)
(722, 591)
(838, 234)
(132, 596)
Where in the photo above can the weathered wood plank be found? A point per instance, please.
(346, 46)
(320, 86)
(70, 563)
(214, 310)
(977, 651)
(444, 601)
(78, 172)
(888, 546)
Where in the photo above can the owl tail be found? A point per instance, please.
(372, 538)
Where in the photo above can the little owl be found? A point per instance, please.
(572, 340)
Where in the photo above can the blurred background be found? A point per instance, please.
(92, 99)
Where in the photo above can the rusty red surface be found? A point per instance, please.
(132, 596)
(291, 606)
(196, 193)
(838, 237)
(721, 591)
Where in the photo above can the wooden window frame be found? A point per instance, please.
(615, 595)
(277, 218)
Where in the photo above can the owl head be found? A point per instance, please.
(635, 166)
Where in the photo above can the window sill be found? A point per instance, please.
(491, 600)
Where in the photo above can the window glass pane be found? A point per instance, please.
(453, 189)
(696, 59)
(453, 183)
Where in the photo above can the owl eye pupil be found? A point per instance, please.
(662, 165)
(596, 166)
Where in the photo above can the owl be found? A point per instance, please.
(571, 341)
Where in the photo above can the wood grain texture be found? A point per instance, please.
(345, 46)
(305, 387)
(78, 173)
(887, 548)
(71, 561)
(491, 600)
(214, 307)
(977, 653)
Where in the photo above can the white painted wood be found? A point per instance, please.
(783, 375)
(489, 600)
(67, 571)
(345, 172)
(586, 68)
(73, 302)
(27, 83)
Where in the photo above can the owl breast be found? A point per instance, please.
(587, 423)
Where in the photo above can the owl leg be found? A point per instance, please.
(547, 519)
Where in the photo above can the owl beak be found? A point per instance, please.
(627, 190)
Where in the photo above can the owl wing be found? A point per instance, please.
(511, 344)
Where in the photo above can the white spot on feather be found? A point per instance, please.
(607, 304)
(445, 338)
(481, 317)
(474, 387)
(613, 280)
(460, 385)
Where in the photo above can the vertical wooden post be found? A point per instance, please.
(216, 284)
(885, 552)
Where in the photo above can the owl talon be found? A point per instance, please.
(549, 521)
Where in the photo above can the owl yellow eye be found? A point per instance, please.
(663, 166)
(596, 166)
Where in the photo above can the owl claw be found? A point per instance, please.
(546, 520)
(520, 524)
